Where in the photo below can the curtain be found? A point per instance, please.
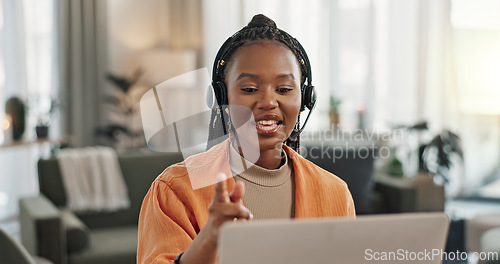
(446, 62)
(438, 94)
(26, 56)
(184, 24)
(82, 66)
(14, 50)
(476, 53)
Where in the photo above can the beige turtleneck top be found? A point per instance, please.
(269, 194)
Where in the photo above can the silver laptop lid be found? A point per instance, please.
(399, 238)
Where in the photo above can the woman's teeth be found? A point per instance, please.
(267, 122)
(267, 125)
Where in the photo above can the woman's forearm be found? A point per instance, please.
(203, 250)
(224, 208)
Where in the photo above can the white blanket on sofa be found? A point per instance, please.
(93, 180)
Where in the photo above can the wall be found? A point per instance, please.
(161, 39)
(134, 26)
(137, 26)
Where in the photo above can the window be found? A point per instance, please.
(476, 32)
(401, 61)
(27, 61)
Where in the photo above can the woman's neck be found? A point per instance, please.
(270, 159)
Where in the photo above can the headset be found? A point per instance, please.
(308, 92)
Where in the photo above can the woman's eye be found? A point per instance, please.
(248, 90)
(284, 90)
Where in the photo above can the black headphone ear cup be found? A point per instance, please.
(308, 97)
(220, 93)
(312, 96)
(303, 97)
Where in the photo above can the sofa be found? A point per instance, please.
(51, 231)
(14, 253)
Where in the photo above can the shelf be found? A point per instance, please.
(21, 143)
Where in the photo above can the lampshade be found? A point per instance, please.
(160, 65)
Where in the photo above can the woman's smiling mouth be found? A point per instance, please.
(268, 125)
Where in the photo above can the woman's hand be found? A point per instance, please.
(223, 208)
(226, 207)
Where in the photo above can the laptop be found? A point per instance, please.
(397, 238)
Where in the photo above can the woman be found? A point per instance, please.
(261, 68)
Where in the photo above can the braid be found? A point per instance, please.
(295, 144)
(218, 128)
(256, 31)
(260, 28)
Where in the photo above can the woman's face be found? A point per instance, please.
(265, 77)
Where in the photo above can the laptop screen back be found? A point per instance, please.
(400, 238)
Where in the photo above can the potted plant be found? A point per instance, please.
(334, 112)
(443, 154)
(120, 131)
(44, 112)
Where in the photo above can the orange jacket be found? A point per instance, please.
(172, 213)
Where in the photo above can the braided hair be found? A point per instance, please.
(259, 28)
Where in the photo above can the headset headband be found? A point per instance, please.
(308, 94)
(224, 51)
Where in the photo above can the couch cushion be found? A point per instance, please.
(110, 245)
(77, 233)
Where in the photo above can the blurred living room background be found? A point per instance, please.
(411, 89)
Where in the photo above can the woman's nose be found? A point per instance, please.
(268, 100)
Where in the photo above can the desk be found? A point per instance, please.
(45, 146)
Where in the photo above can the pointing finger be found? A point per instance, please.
(238, 192)
(221, 194)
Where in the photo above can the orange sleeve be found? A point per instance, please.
(165, 228)
(351, 209)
